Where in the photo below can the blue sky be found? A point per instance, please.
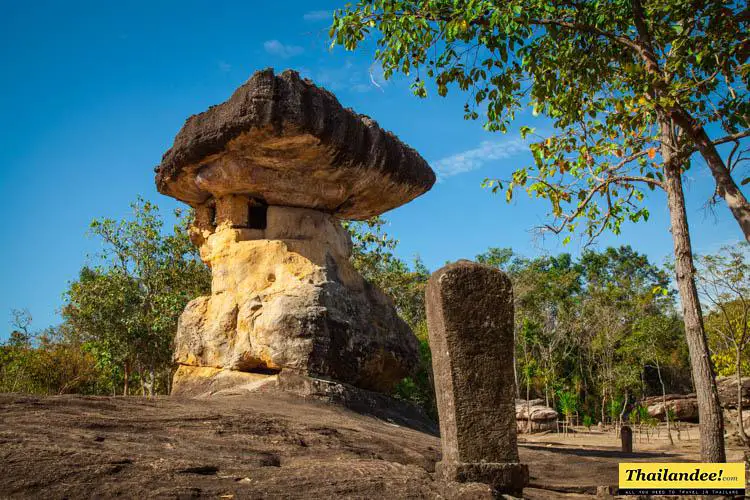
(94, 93)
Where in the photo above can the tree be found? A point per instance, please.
(619, 301)
(568, 407)
(635, 65)
(630, 87)
(527, 337)
(50, 361)
(546, 289)
(17, 356)
(103, 306)
(653, 344)
(21, 322)
(128, 305)
(372, 256)
(580, 327)
(724, 282)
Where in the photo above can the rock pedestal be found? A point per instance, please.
(286, 297)
(543, 418)
(470, 321)
(269, 173)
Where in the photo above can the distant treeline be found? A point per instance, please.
(592, 334)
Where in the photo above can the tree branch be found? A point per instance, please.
(622, 40)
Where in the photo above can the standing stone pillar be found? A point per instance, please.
(626, 439)
(470, 321)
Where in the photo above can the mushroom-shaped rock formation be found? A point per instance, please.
(268, 173)
(285, 141)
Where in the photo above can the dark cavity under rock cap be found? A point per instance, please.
(285, 141)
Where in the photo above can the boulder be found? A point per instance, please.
(543, 418)
(685, 407)
(727, 387)
(288, 142)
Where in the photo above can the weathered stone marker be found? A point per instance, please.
(470, 321)
(269, 173)
(626, 439)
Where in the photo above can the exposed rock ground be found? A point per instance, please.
(260, 446)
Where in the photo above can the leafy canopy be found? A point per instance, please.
(724, 286)
(603, 72)
(128, 304)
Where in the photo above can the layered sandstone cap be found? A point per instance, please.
(285, 141)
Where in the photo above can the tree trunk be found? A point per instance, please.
(622, 412)
(528, 406)
(515, 366)
(664, 401)
(142, 379)
(725, 185)
(151, 381)
(709, 409)
(126, 381)
(740, 423)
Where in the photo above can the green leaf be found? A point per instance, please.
(525, 130)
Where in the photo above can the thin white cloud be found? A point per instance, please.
(224, 66)
(474, 159)
(377, 77)
(317, 15)
(276, 48)
(348, 77)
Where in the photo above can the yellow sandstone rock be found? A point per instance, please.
(287, 297)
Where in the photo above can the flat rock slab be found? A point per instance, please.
(285, 141)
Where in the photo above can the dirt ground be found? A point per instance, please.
(266, 446)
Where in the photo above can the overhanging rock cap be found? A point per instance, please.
(285, 141)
